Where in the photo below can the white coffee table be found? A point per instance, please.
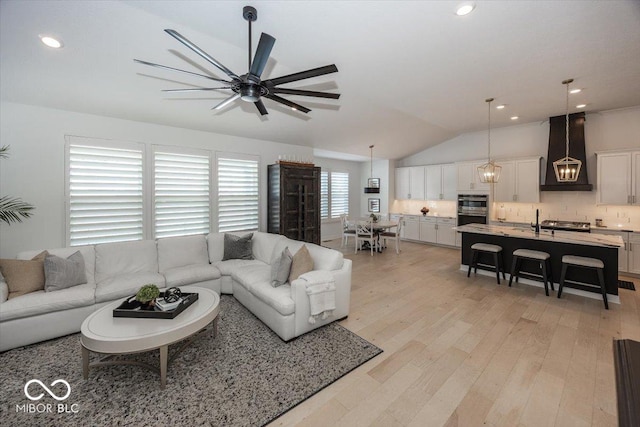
(105, 334)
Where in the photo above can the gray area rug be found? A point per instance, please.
(246, 377)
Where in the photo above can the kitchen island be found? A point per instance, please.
(556, 244)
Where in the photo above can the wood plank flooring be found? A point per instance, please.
(464, 351)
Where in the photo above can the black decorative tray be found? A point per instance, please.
(132, 308)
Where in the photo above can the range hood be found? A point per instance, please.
(557, 147)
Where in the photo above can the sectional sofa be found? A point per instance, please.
(117, 270)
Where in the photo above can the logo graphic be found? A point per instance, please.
(52, 394)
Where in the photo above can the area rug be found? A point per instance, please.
(247, 376)
(625, 284)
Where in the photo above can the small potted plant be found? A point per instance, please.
(424, 211)
(147, 295)
(373, 217)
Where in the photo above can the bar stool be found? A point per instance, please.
(495, 250)
(584, 262)
(544, 260)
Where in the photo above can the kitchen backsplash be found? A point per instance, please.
(570, 206)
(412, 207)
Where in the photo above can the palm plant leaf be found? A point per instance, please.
(13, 209)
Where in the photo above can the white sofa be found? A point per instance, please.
(115, 271)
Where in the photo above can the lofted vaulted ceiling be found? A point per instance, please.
(412, 74)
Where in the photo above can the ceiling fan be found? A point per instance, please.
(248, 87)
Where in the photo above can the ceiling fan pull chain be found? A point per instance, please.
(249, 45)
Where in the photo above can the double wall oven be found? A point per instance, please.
(472, 208)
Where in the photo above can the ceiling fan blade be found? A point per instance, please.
(288, 103)
(195, 89)
(305, 93)
(262, 54)
(327, 69)
(259, 104)
(201, 52)
(179, 70)
(227, 101)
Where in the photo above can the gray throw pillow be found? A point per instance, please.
(281, 268)
(237, 247)
(60, 273)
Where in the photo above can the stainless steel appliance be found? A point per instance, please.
(472, 208)
(555, 224)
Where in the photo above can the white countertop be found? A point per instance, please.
(592, 239)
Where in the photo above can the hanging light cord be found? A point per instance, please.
(371, 149)
(489, 101)
(566, 133)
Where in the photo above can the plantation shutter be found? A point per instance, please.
(181, 194)
(105, 190)
(238, 194)
(324, 195)
(339, 194)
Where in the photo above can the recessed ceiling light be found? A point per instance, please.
(465, 9)
(573, 91)
(500, 107)
(51, 42)
(515, 118)
(581, 105)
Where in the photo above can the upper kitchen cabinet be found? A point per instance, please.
(618, 181)
(519, 181)
(441, 182)
(468, 179)
(410, 183)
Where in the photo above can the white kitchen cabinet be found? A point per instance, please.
(618, 178)
(411, 228)
(410, 183)
(519, 181)
(634, 253)
(624, 258)
(428, 229)
(446, 233)
(441, 182)
(468, 180)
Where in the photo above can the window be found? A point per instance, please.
(181, 193)
(105, 192)
(334, 194)
(238, 192)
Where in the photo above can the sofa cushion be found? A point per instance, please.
(264, 245)
(323, 258)
(301, 263)
(115, 259)
(252, 274)
(238, 247)
(125, 285)
(61, 273)
(278, 298)
(215, 244)
(180, 251)
(42, 302)
(190, 274)
(281, 269)
(228, 267)
(24, 276)
(88, 254)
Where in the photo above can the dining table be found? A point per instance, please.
(379, 226)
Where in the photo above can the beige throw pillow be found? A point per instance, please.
(24, 276)
(302, 263)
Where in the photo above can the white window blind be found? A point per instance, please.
(324, 195)
(339, 194)
(238, 193)
(181, 194)
(105, 190)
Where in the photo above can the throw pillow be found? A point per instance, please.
(281, 269)
(236, 247)
(24, 276)
(302, 263)
(60, 273)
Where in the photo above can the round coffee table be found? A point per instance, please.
(105, 334)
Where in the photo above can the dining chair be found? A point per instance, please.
(395, 235)
(348, 230)
(365, 233)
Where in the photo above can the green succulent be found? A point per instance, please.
(148, 293)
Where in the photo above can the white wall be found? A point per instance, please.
(35, 169)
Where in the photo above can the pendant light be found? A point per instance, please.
(371, 187)
(567, 169)
(489, 172)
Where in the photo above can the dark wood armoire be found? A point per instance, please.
(294, 201)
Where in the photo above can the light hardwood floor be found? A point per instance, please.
(464, 351)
